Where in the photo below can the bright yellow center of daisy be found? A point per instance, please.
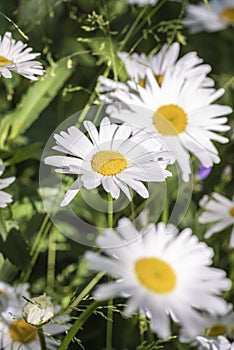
(170, 120)
(22, 332)
(228, 14)
(158, 77)
(4, 61)
(231, 211)
(216, 330)
(156, 275)
(108, 163)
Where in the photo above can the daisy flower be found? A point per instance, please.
(5, 198)
(213, 326)
(219, 210)
(215, 16)
(114, 157)
(180, 111)
(17, 57)
(167, 58)
(16, 334)
(221, 343)
(165, 272)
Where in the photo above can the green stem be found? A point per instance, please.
(109, 329)
(85, 291)
(42, 338)
(78, 324)
(165, 213)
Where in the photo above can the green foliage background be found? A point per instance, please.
(79, 41)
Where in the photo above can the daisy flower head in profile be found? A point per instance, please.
(213, 326)
(165, 272)
(219, 211)
(180, 111)
(166, 58)
(221, 343)
(17, 57)
(5, 198)
(16, 333)
(113, 157)
(212, 17)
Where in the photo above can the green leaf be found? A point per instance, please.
(16, 250)
(37, 98)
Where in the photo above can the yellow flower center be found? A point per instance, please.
(22, 332)
(216, 330)
(4, 61)
(108, 163)
(231, 211)
(170, 120)
(156, 275)
(158, 77)
(228, 14)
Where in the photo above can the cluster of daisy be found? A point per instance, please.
(22, 317)
(164, 113)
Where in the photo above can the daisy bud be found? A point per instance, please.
(38, 311)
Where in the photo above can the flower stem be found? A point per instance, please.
(78, 324)
(42, 338)
(109, 328)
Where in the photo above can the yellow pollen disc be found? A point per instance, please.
(108, 163)
(228, 14)
(156, 275)
(231, 211)
(216, 330)
(158, 77)
(22, 332)
(4, 61)
(170, 120)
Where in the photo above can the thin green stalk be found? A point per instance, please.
(78, 324)
(85, 292)
(26, 274)
(165, 213)
(109, 329)
(42, 338)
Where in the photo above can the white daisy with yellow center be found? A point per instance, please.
(114, 157)
(180, 111)
(167, 58)
(216, 16)
(5, 198)
(163, 271)
(17, 57)
(15, 332)
(219, 211)
(220, 343)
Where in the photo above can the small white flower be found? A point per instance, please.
(213, 326)
(163, 271)
(15, 332)
(219, 210)
(167, 58)
(217, 15)
(17, 57)
(221, 343)
(180, 111)
(5, 198)
(114, 158)
(38, 311)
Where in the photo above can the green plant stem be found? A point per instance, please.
(78, 324)
(42, 338)
(85, 292)
(109, 329)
